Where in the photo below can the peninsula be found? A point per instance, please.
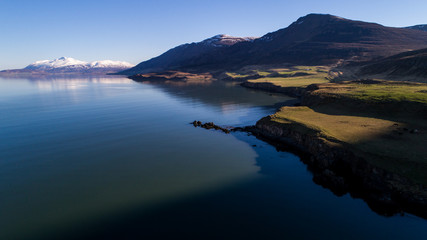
(363, 99)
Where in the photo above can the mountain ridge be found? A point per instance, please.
(421, 27)
(311, 40)
(186, 53)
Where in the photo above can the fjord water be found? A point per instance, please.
(112, 158)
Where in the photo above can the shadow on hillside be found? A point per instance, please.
(409, 112)
(401, 145)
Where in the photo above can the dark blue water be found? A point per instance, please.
(110, 158)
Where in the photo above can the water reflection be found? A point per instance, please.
(222, 93)
(74, 83)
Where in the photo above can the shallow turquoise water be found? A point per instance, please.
(112, 158)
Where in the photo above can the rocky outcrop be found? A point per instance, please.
(210, 125)
(339, 169)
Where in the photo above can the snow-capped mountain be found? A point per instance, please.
(226, 40)
(71, 63)
(110, 64)
(57, 63)
(67, 65)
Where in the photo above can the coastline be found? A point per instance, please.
(336, 166)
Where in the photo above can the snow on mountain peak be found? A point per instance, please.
(71, 63)
(56, 63)
(110, 64)
(226, 40)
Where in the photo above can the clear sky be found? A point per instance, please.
(133, 31)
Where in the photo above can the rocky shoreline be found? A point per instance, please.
(337, 168)
(210, 125)
(340, 170)
(333, 163)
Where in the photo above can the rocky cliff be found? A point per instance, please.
(339, 169)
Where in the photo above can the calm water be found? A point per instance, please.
(112, 158)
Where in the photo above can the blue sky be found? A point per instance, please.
(134, 31)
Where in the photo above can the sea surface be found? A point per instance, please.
(110, 158)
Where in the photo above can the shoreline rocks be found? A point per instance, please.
(210, 125)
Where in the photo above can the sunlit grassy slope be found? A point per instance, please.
(381, 121)
(296, 76)
(394, 138)
(382, 92)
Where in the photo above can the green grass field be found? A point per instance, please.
(297, 76)
(387, 91)
(301, 81)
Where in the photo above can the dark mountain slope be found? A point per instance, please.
(422, 27)
(186, 54)
(325, 38)
(408, 64)
(312, 40)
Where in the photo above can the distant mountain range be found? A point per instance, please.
(66, 65)
(311, 40)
